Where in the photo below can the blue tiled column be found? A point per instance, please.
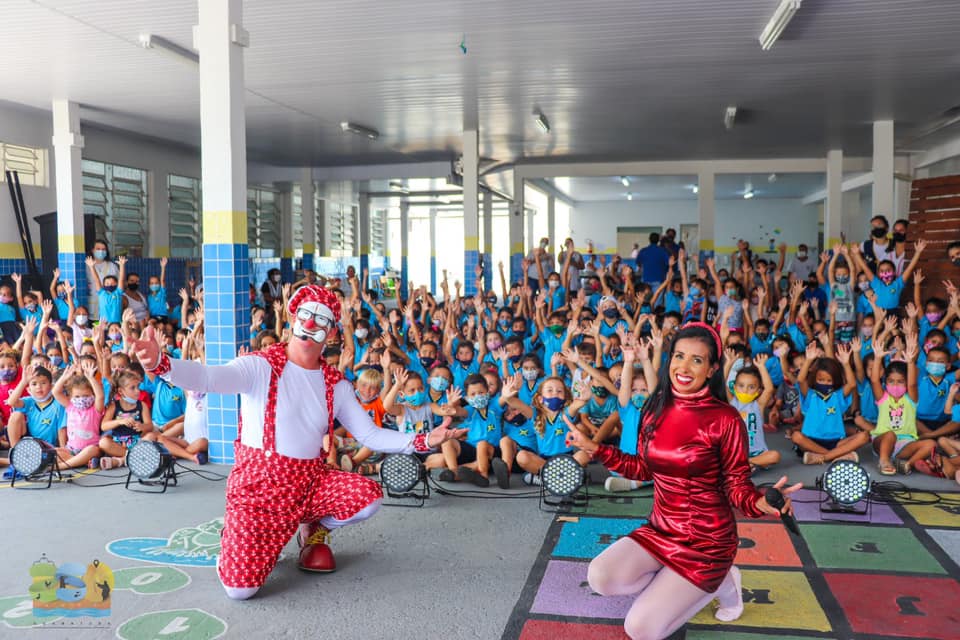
(471, 257)
(307, 259)
(516, 271)
(226, 277)
(74, 270)
(433, 274)
(286, 269)
(487, 273)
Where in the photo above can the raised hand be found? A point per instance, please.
(811, 350)
(454, 396)
(146, 349)
(843, 353)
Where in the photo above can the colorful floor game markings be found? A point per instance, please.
(588, 537)
(196, 546)
(553, 630)
(150, 580)
(177, 624)
(850, 546)
(619, 506)
(709, 634)
(949, 541)
(900, 606)
(943, 514)
(765, 544)
(775, 599)
(564, 591)
(806, 508)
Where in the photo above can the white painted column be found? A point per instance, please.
(706, 210)
(226, 265)
(471, 210)
(487, 240)
(516, 229)
(68, 157)
(833, 205)
(308, 217)
(883, 201)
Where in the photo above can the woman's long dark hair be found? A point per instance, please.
(662, 395)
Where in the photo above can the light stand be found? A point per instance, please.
(403, 477)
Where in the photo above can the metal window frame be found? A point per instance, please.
(122, 207)
(30, 163)
(186, 219)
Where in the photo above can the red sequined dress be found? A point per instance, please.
(697, 459)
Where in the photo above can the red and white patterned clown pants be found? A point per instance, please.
(268, 496)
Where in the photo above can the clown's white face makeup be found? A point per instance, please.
(313, 322)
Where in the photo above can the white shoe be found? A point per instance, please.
(346, 464)
(618, 483)
(729, 614)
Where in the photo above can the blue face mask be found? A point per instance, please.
(694, 291)
(936, 369)
(154, 287)
(128, 400)
(479, 401)
(414, 399)
(638, 399)
(100, 254)
(823, 389)
(439, 384)
(553, 404)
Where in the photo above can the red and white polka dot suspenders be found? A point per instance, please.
(276, 355)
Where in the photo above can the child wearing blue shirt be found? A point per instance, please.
(109, 297)
(885, 283)
(157, 297)
(826, 391)
(933, 386)
(38, 415)
(29, 305)
(59, 291)
(169, 405)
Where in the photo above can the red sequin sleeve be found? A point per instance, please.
(731, 439)
(629, 466)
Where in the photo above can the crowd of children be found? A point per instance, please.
(824, 354)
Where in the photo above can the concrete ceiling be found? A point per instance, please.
(657, 188)
(618, 79)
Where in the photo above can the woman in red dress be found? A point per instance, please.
(693, 445)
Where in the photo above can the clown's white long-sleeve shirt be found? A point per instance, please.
(301, 405)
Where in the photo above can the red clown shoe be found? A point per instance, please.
(315, 553)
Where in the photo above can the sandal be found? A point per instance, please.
(812, 458)
(887, 468)
(903, 467)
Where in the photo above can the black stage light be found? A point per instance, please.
(400, 473)
(150, 463)
(562, 477)
(32, 457)
(847, 484)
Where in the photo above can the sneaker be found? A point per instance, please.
(466, 474)
(501, 472)
(94, 463)
(849, 456)
(203, 458)
(346, 463)
(810, 457)
(903, 467)
(616, 484)
(530, 480)
(446, 476)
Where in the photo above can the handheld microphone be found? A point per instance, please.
(775, 500)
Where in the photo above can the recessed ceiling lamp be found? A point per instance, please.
(360, 130)
(748, 194)
(695, 189)
(625, 181)
(150, 41)
(542, 121)
(729, 117)
(772, 178)
(629, 196)
(781, 18)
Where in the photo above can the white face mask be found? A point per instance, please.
(360, 334)
(81, 320)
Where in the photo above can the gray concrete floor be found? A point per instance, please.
(452, 569)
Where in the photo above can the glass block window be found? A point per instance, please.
(117, 196)
(186, 223)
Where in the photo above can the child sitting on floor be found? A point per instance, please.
(752, 391)
(81, 394)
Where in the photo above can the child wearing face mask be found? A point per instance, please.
(126, 421)
(885, 283)
(8, 315)
(38, 415)
(109, 298)
(840, 292)
(157, 294)
(752, 392)
(81, 395)
(895, 436)
(633, 393)
(370, 393)
(28, 302)
(933, 386)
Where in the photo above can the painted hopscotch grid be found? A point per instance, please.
(896, 576)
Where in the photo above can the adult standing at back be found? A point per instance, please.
(669, 242)
(802, 266)
(547, 264)
(653, 261)
(104, 265)
(576, 264)
(878, 248)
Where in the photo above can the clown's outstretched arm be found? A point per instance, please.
(352, 416)
(237, 376)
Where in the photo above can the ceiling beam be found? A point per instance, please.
(548, 189)
(534, 170)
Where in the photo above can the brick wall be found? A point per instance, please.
(935, 217)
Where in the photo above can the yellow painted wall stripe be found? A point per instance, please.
(516, 247)
(14, 250)
(161, 252)
(308, 248)
(471, 243)
(225, 227)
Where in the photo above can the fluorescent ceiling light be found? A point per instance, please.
(772, 178)
(360, 130)
(748, 194)
(695, 189)
(542, 121)
(781, 18)
(629, 196)
(729, 116)
(150, 41)
(625, 181)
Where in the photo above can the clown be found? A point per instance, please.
(280, 483)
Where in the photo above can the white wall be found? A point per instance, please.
(753, 220)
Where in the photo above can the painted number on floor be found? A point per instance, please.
(186, 624)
